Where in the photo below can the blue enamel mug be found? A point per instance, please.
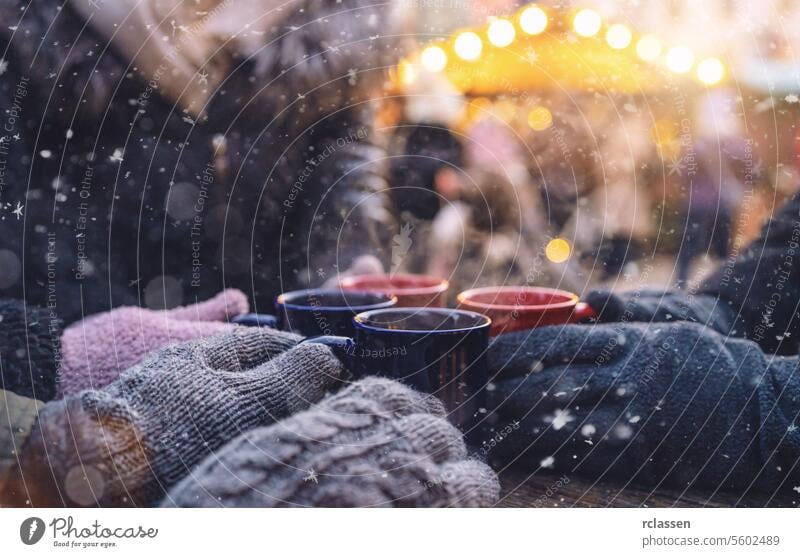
(437, 351)
(317, 312)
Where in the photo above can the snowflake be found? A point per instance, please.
(791, 99)
(3, 66)
(311, 477)
(18, 210)
(676, 166)
(531, 56)
(547, 462)
(117, 156)
(561, 418)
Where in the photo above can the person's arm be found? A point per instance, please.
(762, 284)
(753, 294)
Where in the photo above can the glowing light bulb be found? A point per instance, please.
(680, 59)
(648, 48)
(710, 71)
(587, 23)
(618, 36)
(558, 250)
(468, 46)
(501, 32)
(540, 118)
(433, 58)
(533, 20)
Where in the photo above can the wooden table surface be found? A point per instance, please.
(554, 490)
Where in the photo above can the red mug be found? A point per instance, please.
(410, 290)
(514, 308)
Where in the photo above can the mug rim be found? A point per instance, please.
(441, 285)
(280, 301)
(485, 320)
(463, 298)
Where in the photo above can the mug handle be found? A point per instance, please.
(256, 320)
(582, 312)
(344, 348)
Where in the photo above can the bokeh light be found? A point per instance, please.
(558, 250)
(680, 59)
(648, 48)
(434, 59)
(587, 23)
(533, 20)
(468, 46)
(540, 118)
(619, 36)
(406, 73)
(501, 32)
(710, 71)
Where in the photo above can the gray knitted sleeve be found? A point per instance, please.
(376, 443)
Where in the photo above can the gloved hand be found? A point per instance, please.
(671, 404)
(99, 348)
(376, 443)
(128, 443)
(29, 350)
(653, 306)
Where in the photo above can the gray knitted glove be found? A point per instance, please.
(376, 443)
(128, 443)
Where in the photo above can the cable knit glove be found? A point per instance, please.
(668, 404)
(653, 306)
(99, 348)
(29, 349)
(376, 443)
(128, 443)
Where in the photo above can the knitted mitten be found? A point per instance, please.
(671, 404)
(376, 443)
(29, 350)
(653, 306)
(99, 348)
(128, 443)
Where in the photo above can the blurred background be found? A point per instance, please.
(623, 143)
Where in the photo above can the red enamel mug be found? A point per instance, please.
(514, 308)
(410, 290)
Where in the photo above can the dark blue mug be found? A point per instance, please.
(436, 351)
(317, 312)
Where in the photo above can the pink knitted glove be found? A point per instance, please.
(96, 350)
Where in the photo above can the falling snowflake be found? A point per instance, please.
(562, 418)
(791, 98)
(117, 156)
(547, 462)
(3, 66)
(677, 166)
(531, 56)
(311, 477)
(588, 430)
(18, 210)
(46, 153)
